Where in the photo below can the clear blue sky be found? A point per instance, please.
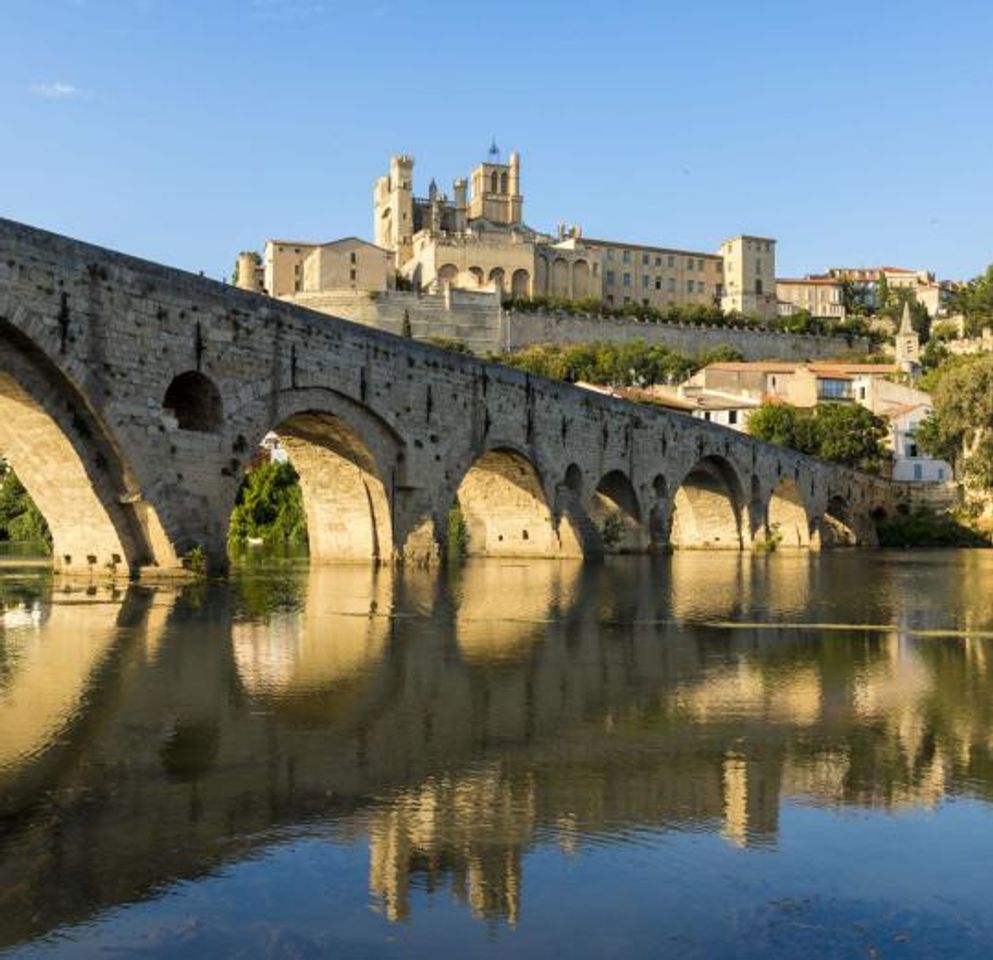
(185, 130)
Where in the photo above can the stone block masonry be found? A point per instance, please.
(133, 396)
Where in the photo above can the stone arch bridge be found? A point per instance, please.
(133, 396)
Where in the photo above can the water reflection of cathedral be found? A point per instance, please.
(461, 721)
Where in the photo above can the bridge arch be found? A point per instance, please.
(787, 518)
(345, 458)
(617, 513)
(708, 507)
(837, 528)
(506, 511)
(67, 460)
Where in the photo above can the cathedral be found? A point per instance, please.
(477, 239)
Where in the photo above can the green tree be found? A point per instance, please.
(974, 300)
(836, 432)
(883, 298)
(961, 428)
(20, 519)
(785, 426)
(852, 435)
(269, 506)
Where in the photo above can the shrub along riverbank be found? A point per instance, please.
(925, 528)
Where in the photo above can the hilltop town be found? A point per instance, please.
(466, 270)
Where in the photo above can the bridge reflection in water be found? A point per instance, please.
(457, 720)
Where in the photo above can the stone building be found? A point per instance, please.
(290, 267)
(478, 240)
(822, 293)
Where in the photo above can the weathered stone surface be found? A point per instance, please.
(134, 395)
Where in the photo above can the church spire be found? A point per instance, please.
(906, 326)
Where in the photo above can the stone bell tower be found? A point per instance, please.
(908, 345)
(393, 208)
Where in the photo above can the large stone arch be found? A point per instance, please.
(70, 464)
(506, 510)
(837, 528)
(448, 274)
(709, 506)
(560, 277)
(497, 275)
(542, 284)
(787, 517)
(520, 283)
(346, 458)
(580, 280)
(617, 513)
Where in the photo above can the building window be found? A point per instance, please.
(644, 259)
(627, 279)
(610, 254)
(627, 256)
(658, 283)
(918, 472)
(732, 417)
(758, 265)
(672, 284)
(644, 302)
(706, 415)
(610, 278)
(672, 260)
(758, 286)
(644, 281)
(352, 272)
(352, 257)
(658, 261)
(689, 263)
(699, 264)
(689, 286)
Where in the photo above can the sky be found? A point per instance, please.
(856, 133)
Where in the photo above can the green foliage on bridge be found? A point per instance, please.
(634, 364)
(835, 432)
(269, 507)
(20, 519)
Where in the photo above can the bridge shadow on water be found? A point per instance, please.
(452, 723)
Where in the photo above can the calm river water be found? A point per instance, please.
(702, 756)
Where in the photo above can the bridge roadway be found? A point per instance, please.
(133, 396)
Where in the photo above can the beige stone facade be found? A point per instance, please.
(478, 240)
(821, 293)
(749, 276)
(819, 296)
(291, 267)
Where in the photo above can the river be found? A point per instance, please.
(705, 755)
